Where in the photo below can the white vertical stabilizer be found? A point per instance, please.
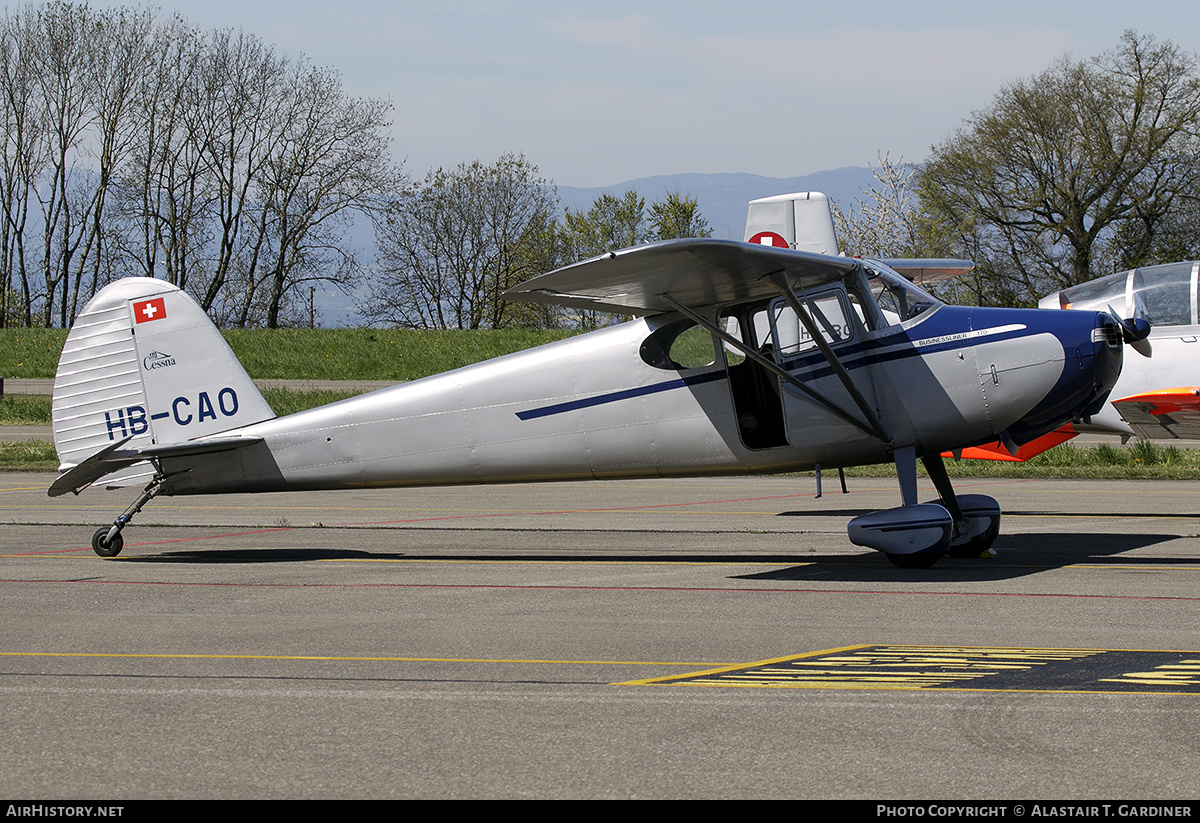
(800, 221)
(144, 364)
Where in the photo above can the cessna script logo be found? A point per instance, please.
(157, 360)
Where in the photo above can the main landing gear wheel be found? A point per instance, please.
(981, 518)
(103, 546)
(918, 560)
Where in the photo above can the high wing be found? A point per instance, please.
(1165, 414)
(696, 272)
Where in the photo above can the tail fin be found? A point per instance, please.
(143, 364)
(800, 221)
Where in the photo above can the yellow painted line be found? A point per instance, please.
(739, 666)
(185, 656)
(1132, 566)
(1183, 673)
(1076, 515)
(680, 509)
(944, 668)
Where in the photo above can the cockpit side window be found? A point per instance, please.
(1163, 295)
(829, 311)
(1097, 295)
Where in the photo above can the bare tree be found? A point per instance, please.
(454, 242)
(138, 146)
(331, 165)
(884, 222)
(165, 194)
(23, 159)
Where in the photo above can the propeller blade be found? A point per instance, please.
(1134, 331)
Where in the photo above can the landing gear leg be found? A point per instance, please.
(976, 516)
(107, 541)
(914, 535)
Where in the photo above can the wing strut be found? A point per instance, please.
(773, 367)
(779, 279)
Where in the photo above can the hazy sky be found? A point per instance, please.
(601, 93)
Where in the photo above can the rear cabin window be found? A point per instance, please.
(679, 346)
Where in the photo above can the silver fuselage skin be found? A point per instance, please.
(592, 407)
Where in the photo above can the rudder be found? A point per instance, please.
(800, 221)
(143, 363)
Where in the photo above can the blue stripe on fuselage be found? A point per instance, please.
(624, 394)
(943, 330)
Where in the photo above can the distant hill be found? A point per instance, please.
(723, 197)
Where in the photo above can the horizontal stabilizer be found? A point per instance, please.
(114, 458)
(103, 462)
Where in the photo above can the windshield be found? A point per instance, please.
(1163, 295)
(897, 297)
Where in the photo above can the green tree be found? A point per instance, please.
(611, 223)
(1073, 172)
(676, 217)
(621, 222)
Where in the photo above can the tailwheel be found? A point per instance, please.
(107, 541)
(106, 546)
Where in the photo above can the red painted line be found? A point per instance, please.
(212, 536)
(576, 511)
(152, 543)
(656, 589)
(433, 520)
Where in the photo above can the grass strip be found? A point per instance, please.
(313, 354)
(1144, 460)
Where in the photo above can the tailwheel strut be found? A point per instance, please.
(107, 541)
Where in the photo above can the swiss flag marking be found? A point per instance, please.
(769, 238)
(149, 310)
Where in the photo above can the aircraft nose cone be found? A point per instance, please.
(1108, 353)
(1092, 350)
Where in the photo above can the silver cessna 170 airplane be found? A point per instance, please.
(770, 355)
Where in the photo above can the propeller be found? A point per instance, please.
(1134, 332)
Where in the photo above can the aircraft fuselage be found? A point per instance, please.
(598, 406)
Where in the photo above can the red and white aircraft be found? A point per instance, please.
(1157, 396)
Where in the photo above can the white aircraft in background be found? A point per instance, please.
(764, 356)
(1156, 397)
